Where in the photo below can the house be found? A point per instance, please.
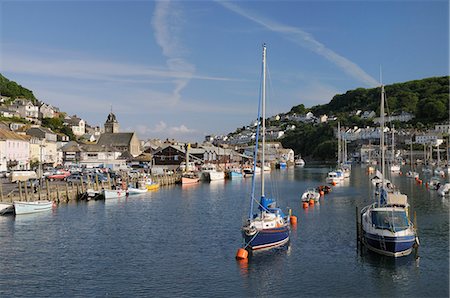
(323, 118)
(42, 133)
(77, 125)
(368, 115)
(442, 128)
(14, 151)
(26, 109)
(92, 155)
(46, 111)
(7, 113)
(47, 143)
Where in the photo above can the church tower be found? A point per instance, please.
(111, 124)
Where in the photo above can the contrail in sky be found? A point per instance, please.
(306, 40)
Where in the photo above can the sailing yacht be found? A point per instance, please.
(266, 227)
(385, 224)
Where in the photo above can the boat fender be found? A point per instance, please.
(241, 254)
(293, 219)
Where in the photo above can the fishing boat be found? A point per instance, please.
(22, 207)
(385, 225)
(234, 173)
(189, 178)
(266, 227)
(6, 208)
(310, 194)
(412, 174)
(210, 173)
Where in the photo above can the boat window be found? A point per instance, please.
(391, 220)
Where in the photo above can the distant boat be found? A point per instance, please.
(412, 174)
(114, 193)
(150, 184)
(299, 162)
(135, 191)
(444, 190)
(210, 173)
(268, 227)
(310, 194)
(189, 178)
(235, 173)
(22, 207)
(6, 208)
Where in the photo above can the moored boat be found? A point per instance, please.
(385, 225)
(268, 227)
(22, 207)
(114, 193)
(189, 178)
(6, 208)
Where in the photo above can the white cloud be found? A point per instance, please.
(308, 41)
(166, 24)
(161, 129)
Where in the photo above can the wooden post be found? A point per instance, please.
(26, 190)
(357, 228)
(57, 193)
(67, 192)
(39, 190)
(20, 190)
(82, 187)
(1, 191)
(109, 180)
(96, 182)
(48, 190)
(88, 181)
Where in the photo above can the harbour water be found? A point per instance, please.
(181, 241)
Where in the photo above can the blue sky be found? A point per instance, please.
(186, 69)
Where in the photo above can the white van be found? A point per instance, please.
(22, 175)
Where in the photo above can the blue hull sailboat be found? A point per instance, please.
(267, 226)
(385, 224)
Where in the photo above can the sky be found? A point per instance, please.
(186, 69)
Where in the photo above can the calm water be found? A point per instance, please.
(181, 241)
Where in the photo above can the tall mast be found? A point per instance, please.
(263, 120)
(339, 143)
(382, 134)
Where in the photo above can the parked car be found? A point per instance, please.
(58, 175)
(76, 178)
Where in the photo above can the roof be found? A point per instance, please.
(116, 139)
(10, 135)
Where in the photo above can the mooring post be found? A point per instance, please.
(20, 190)
(47, 185)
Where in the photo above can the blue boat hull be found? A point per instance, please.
(390, 246)
(235, 175)
(268, 238)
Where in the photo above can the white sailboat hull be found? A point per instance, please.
(114, 194)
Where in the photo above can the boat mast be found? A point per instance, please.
(339, 143)
(382, 135)
(263, 120)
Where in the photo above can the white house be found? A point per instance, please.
(46, 111)
(26, 109)
(15, 150)
(77, 125)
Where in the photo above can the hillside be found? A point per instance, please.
(12, 89)
(427, 99)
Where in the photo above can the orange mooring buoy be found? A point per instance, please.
(333, 183)
(321, 193)
(293, 220)
(241, 254)
(305, 205)
(311, 202)
(419, 181)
